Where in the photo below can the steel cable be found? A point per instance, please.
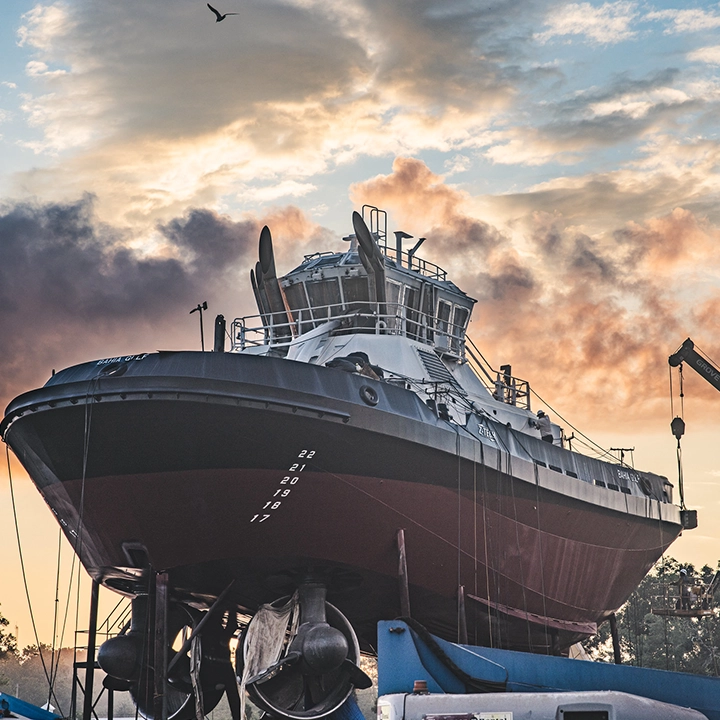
(24, 577)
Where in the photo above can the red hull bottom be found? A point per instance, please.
(211, 527)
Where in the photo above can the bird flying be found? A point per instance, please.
(219, 16)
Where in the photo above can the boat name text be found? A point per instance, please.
(486, 432)
(123, 358)
(629, 476)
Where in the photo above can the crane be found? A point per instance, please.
(694, 598)
(687, 353)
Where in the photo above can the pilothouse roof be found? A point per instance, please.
(398, 262)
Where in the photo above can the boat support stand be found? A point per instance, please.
(404, 589)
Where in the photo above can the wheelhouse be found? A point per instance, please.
(395, 293)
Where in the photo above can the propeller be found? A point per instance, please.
(127, 662)
(318, 669)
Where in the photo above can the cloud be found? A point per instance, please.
(158, 110)
(709, 55)
(458, 164)
(686, 20)
(576, 313)
(668, 171)
(606, 25)
(531, 146)
(625, 110)
(73, 288)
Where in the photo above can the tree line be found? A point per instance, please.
(648, 639)
(27, 673)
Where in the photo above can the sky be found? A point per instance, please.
(562, 160)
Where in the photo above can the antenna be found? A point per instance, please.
(200, 309)
(622, 452)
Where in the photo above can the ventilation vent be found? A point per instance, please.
(437, 372)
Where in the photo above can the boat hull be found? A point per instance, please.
(258, 470)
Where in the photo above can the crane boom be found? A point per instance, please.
(687, 353)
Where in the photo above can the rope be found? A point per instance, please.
(678, 452)
(682, 391)
(485, 539)
(78, 533)
(542, 553)
(672, 399)
(475, 534)
(459, 511)
(67, 609)
(680, 475)
(522, 569)
(24, 577)
(497, 545)
(53, 666)
(598, 448)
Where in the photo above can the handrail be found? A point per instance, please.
(444, 336)
(407, 260)
(413, 262)
(504, 387)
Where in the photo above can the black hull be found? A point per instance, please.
(188, 454)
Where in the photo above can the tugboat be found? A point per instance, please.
(351, 447)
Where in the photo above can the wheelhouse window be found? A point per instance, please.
(443, 323)
(299, 306)
(356, 293)
(394, 304)
(428, 311)
(324, 296)
(460, 319)
(412, 316)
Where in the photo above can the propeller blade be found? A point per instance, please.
(290, 659)
(259, 276)
(357, 677)
(259, 293)
(232, 692)
(111, 683)
(285, 690)
(314, 691)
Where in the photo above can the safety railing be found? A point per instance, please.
(412, 262)
(500, 383)
(282, 329)
(693, 599)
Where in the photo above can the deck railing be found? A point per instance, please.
(412, 262)
(283, 329)
(503, 386)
